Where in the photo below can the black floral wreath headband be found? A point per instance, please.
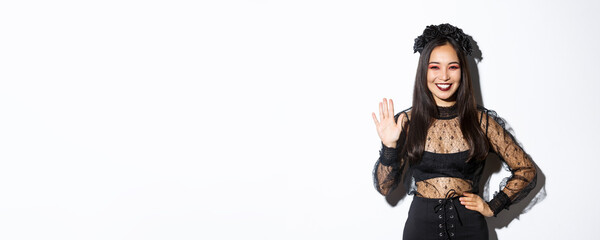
(432, 32)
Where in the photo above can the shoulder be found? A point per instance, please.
(489, 119)
(482, 111)
(488, 114)
(403, 115)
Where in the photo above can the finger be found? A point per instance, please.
(469, 196)
(375, 119)
(471, 208)
(400, 119)
(467, 201)
(385, 108)
(472, 204)
(391, 109)
(381, 116)
(472, 196)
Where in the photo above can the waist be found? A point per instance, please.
(448, 194)
(434, 199)
(443, 187)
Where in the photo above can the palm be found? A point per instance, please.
(387, 129)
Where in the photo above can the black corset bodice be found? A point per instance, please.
(445, 165)
(449, 165)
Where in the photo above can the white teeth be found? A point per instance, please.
(443, 85)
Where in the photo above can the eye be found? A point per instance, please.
(433, 67)
(454, 67)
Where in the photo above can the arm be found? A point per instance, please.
(388, 168)
(523, 174)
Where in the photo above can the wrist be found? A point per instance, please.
(499, 202)
(390, 145)
(487, 212)
(388, 156)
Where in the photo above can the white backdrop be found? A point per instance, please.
(251, 119)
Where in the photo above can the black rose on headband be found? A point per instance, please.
(432, 32)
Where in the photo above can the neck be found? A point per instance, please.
(447, 112)
(445, 103)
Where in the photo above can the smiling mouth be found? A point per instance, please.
(444, 86)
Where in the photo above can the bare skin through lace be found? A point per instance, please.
(439, 187)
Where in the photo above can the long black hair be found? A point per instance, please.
(424, 108)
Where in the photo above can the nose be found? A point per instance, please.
(444, 75)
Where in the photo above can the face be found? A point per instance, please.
(443, 75)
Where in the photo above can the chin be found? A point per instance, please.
(444, 97)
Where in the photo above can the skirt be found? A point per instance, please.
(434, 218)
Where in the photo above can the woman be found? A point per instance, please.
(444, 139)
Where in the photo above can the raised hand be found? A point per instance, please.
(388, 129)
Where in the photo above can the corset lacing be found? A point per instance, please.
(446, 206)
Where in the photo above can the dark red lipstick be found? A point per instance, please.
(444, 89)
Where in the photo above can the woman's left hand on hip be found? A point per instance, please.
(475, 202)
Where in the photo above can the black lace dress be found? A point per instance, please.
(444, 173)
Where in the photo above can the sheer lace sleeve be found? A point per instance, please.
(523, 174)
(388, 168)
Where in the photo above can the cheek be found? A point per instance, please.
(430, 76)
(457, 75)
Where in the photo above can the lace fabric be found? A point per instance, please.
(523, 177)
(444, 166)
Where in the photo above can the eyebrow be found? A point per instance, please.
(439, 63)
